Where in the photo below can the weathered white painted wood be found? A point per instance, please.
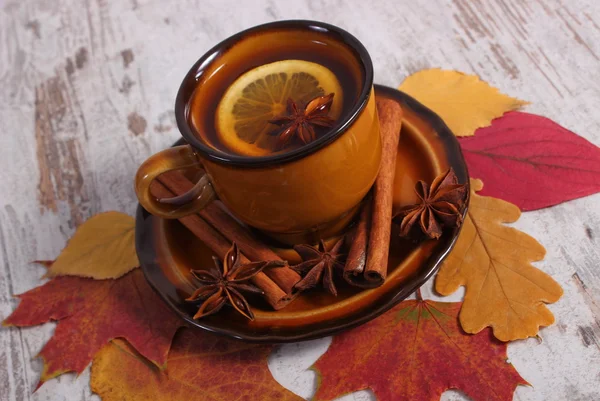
(87, 89)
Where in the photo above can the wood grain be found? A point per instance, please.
(87, 92)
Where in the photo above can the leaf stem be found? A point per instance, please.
(419, 296)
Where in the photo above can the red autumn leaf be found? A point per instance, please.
(415, 352)
(92, 312)
(202, 366)
(532, 162)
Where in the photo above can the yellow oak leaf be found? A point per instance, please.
(103, 247)
(493, 261)
(463, 101)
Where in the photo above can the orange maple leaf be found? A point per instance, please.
(415, 352)
(202, 366)
(92, 312)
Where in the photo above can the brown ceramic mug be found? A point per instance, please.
(296, 196)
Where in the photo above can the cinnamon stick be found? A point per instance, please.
(216, 216)
(390, 122)
(357, 255)
(252, 247)
(274, 295)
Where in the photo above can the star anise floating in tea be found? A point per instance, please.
(440, 205)
(318, 265)
(224, 283)
(300, 121)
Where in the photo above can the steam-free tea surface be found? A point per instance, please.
(246, 113)
(251, 82)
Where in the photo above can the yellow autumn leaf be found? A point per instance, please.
(463, 101)
(201, 367)
(103, 247)
(493, 261)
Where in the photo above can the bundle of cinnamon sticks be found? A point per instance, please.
(218, 230)
(367, 262)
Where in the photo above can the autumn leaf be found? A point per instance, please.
(416, 352)
(102, 247)
(463, 101)
(532, 162)
(493, 262)
(92, 312)
(202, 366)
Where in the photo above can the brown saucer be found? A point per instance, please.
(167, 250)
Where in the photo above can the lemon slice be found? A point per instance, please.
(259, 95)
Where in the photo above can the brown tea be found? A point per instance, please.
(252, 100)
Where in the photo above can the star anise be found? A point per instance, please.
(318, 265)
(440, 205)
(300, 121)
(224, 282)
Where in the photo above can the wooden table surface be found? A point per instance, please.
(87, 91)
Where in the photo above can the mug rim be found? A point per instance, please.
(197, 70)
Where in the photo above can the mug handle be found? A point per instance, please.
(178, 157)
